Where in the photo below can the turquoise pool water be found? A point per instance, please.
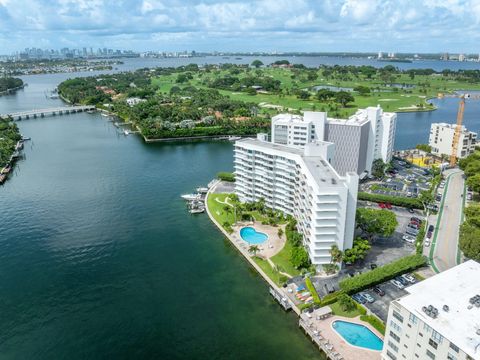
(358, 335)
(252, 236)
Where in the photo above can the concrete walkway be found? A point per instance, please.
(444, 248)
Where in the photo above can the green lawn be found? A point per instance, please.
(337, 310)
(282, 260)
(267, 269)
(391, 99)
(217, 209)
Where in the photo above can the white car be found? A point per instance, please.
(408, 238)
(398, 284)
(426, 243)
(409, 278)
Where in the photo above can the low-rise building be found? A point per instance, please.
(438, 319)
(134, 101)
(367, 135)
(441, 140)
(302, 183)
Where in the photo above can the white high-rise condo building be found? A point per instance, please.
(441, 140)
(367, 135)
(438, 319)
(302, 183)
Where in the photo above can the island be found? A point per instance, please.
(228, 99)
(10, 84)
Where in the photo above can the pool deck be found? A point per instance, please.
(272, 246)
(323, 334)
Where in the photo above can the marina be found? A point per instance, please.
(196, 201)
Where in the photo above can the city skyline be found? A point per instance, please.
(205, 26)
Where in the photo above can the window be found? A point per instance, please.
(432, 343)
(397, 316)
(430, 354)
(451, 357)
(437, 337)
(412, 318)
(393, 346)
(391, 356)
(394, 336)
(427, 328)
(395, 326)
(454, 347)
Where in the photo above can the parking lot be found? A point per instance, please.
(380, 306)
(405, 180)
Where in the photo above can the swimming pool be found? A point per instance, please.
(252, 236)
(358, 335)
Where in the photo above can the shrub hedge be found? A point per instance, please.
(375, 322)
(313, 291)
(226, 176)
(394, 200)
(382, 274)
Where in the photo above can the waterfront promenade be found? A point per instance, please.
(244, 251)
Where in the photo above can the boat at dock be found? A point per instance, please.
(197, 210)
(105, 115)
(126, 132)
(3, 177)
(234, 138)
(191, 197)
(202, 190)
(25, 138)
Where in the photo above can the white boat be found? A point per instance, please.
(202, 190)
(234, 138)
(191, 196)
(106, 115)
(126, 132)
(197, 211)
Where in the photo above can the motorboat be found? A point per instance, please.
(191, 197)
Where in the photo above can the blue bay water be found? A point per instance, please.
(100, 259)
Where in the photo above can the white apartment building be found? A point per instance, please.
(441, 140)
(359, 140)
(302, 183)
(438, 319)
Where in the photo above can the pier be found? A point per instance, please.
(33, 114)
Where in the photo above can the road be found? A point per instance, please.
(445, 241)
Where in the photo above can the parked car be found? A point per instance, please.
(408, 238)
(438, 197)
(411, 231)
(382, 205)
(388, 206)
(373, 266)
(398, 284)
(414, 224)
(431, 228)
(368, 297)
(411, 211)
(379, 291)
(414, 218)
(426, 243)
(429, 235)
(409, 194)
(469, 196)
(409, 278)
(359, 298)
(402, 281)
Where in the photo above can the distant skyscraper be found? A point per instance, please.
(380, 55)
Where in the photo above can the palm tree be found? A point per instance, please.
(253, 249)
(336, 254)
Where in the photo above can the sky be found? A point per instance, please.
(249, 25)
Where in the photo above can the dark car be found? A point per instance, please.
(359, 299)
(402, 281)
(430, 228)
(411, 211)
(373, 266)
(414, 218)
(429, 235)
(379, 291)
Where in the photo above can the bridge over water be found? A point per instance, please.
(33, 114)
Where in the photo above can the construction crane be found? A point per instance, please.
(458, 130)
